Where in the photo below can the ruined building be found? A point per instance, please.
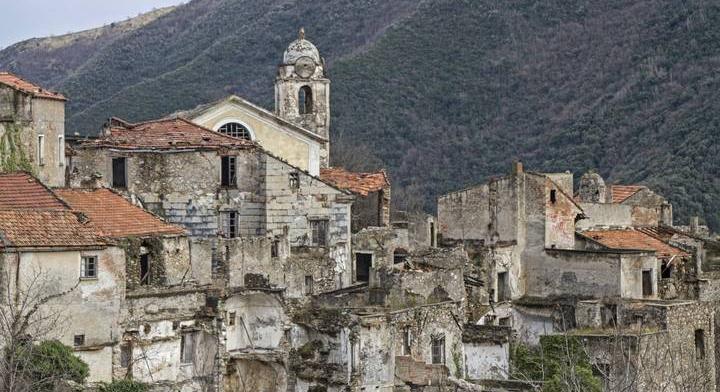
(214, 249)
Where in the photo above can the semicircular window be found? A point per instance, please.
(235, 130)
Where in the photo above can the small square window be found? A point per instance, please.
(79, 340)
(88, 267)
(294, 180)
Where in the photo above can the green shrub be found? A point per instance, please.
(123, 386)
(48, 362)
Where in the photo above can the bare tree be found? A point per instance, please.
(26, 317)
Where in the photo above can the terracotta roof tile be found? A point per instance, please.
(23, 85)
(23, 191)
(165, 134)
(620, 193)
(631, 239)
(360, 183)
(114, 216)
(46, 229)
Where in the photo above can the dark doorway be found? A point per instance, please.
(145, 269)
(502, 287)
(363, 262)
(119, 178)
(647, 284)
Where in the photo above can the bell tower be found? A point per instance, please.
(302, 92)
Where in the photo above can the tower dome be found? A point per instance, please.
(301, 48)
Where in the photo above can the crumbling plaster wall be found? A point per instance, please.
(487, 352)
(153, 323)
(605, 215)
(89, 307)
(574, 273)
(259, 321)
(647, 208)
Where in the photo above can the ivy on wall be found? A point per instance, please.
(13, 156)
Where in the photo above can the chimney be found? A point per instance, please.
(517, 167)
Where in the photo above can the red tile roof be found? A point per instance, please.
(631, 239)
(19, 191)
(165, 134)
(46, 229)
(17, 83)
(620, 193)
(114, 216)
(360, 183)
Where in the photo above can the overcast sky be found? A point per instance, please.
(23, 19)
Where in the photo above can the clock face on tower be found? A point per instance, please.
(304, 67)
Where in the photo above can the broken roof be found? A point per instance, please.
(620, 193)
(20, 84)
(46, 229)
(114, 216)
(164, 134)
(22, 191)
(632, 239)
(360, 183)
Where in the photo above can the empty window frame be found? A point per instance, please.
(145, 269)
(647, 283)
(228, 171)
(433, 238)
(553, 196)
(126, 355)
(504, 321)
(438, 349)
(235, 130)
(41, 150)
(308, 284)
(305, 100)
(88, 267)
(407, 342)
(699, 344)
(319, 232)
(275, 249)
(231, 318)
(502, 287)
(363, 262)
(399, 256)
(61, 150)
(230, 224)
(119, 173)
(79, 340)
(187, 347)
(666, 270)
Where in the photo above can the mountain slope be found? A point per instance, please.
(446, 92)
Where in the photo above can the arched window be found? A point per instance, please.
(305, 100)
(235, 130)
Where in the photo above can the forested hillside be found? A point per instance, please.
(445, 92)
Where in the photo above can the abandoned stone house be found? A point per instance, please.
(215, 249)
(598, 263)
(34, 118)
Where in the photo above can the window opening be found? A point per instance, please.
(88, 267)
(502, 289)
(399, 256)
(699, 344)
(407, 342)
(647, 284)
(145, 269)
(41, 150)
(79, 340)
(308, 284)
(235, 130)
(305, 100)
(438, 350)
(61, 151)
(319, 229)
(363, 262)
(230, 224)
(553, 196)
(187, 348)
(119, 176)
(294, 180)
(228, 175)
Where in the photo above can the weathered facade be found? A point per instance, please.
(32, 129)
